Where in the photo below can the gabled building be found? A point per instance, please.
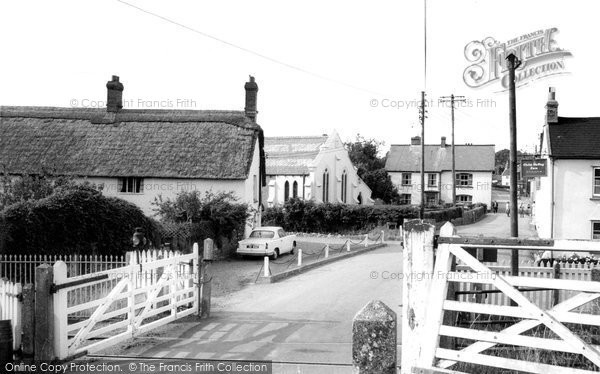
(137, 155)
(312, 167)
(474, 168)
(567, 199)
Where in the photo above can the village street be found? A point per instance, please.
(304, 319)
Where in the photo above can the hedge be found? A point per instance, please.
(308, 216)
(77, 220)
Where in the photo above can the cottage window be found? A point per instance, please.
(406, 179)
(131, 185)
(464, 198)
(405, 199)
(595, 229)
(431, 180)
(344, 185)
(596, 181)
(464, 180)
(326, 186)
(286, 191)
(295, 190)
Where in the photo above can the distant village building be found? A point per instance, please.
(567, 199)
(474, 168)
(137, 155)
(312, 167)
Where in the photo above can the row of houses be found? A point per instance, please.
(139, 155)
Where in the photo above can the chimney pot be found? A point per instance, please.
(415, 140)
(443, 142)
(251, 97)
(114, 99)
(552, 107)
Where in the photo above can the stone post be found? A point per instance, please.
(374, 339)
(44, 314)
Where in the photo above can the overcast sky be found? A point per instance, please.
(320, 65)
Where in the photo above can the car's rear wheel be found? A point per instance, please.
(275, 254)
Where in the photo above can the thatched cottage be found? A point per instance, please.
(137, 155)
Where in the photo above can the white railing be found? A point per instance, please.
(10, 308)
(21, 268)
(155, 288)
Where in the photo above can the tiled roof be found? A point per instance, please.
(291, 155)
(145, 143)
(575, 138)
(437, 159)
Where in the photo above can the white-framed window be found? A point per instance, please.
(405, 199)
(595, 229)
(464, 198)
(406, 179)
(344, 186)
(431, 180)
(131, 185)
(464, 180)
(596, 181)
(325, 186)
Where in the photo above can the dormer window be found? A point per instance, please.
(131, 185)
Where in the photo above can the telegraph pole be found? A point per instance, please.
(452, 99)
(513, 64)
(422, 118)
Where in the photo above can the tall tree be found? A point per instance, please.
(364, 154)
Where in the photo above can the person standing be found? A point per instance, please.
(508, 209)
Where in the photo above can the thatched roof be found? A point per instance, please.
(143, 143)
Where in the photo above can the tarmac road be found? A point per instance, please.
(303, 319)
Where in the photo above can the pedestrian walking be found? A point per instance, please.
(508, 209)
(522, 211)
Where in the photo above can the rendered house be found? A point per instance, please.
(567, 199)
(474, 168)
(316, 167)
(137, 155)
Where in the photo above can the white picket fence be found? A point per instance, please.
(21, 268)
(10, 308)
(542, 299)
(155, 288)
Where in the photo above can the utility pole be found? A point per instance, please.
(452, 99)
(422, 118)
(513, 64)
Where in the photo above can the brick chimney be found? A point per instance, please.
(415, 140)
(251, 91)
(114, 99)
(551, 107)
(443, 142)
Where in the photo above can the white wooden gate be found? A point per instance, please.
(10, 308)
(157, 287)
(426, 306)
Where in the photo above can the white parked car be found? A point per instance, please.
(267, 241)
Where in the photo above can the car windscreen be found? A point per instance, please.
(262, 234)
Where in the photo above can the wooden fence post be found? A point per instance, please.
(448, 230)
(27, 343)
(556, 275)
(59, 301)
(44, 314)
(205, 283)
(418, 261)
(374, 339)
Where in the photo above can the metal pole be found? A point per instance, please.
(453, 154)
(422, 210)
(513, 64)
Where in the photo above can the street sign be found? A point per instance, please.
(534, 168)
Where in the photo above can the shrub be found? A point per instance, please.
(73, 220)
(218, 216)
